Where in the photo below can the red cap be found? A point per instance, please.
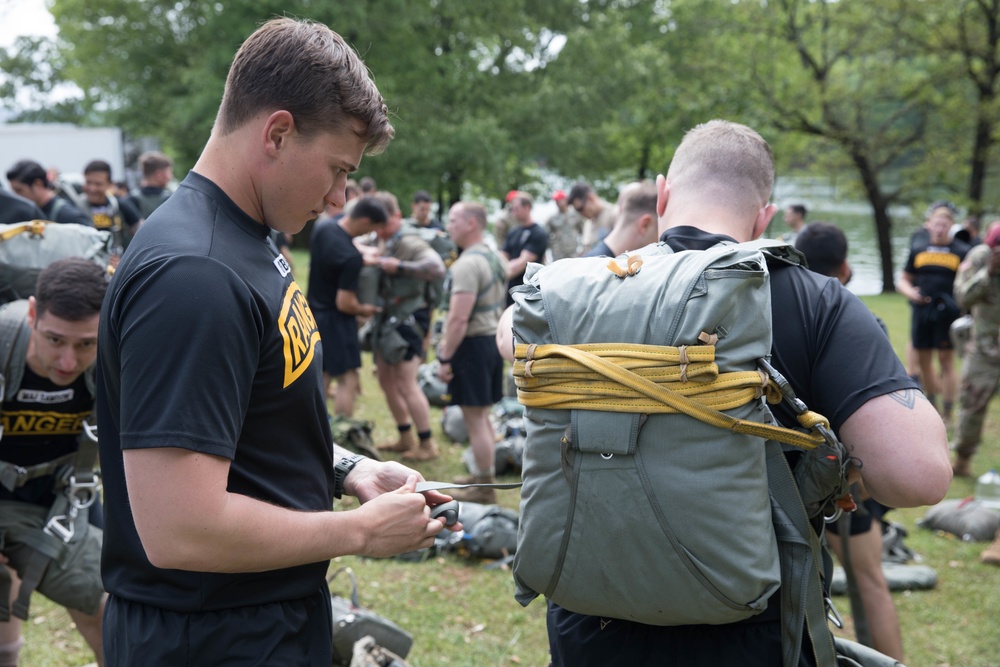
(558, 195)
(993, 235)
(512, 194)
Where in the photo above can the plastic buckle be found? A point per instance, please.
(58, 530)
(89, 431)
(88, 490)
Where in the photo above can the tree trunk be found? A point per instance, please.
(980, 152)
(883, 223)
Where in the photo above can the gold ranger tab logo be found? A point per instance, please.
(40, 422)
(299, 332)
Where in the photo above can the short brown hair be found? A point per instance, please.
(636, 200)
(71, 289)
(307, 69)
(388, 200)
(152, 161)
(727, 163)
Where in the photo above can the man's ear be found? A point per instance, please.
(32, 312)
(764, 216)
(844, 273)
(278, 128)
(662, 194)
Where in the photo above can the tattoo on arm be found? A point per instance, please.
(907, 397)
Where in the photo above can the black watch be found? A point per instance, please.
(340, 472)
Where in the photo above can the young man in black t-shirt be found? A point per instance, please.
(526, 242)
(334, 267)
(48, 394)
(219, 464)
(829, 347)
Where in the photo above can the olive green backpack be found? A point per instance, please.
(655, 486)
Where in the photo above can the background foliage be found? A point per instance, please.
(901, 93)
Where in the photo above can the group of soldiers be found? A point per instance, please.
(395, 277)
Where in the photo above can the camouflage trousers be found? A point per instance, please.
(980, 378)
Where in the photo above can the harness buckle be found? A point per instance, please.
(832, 613)
(60, 531)
(83, 494)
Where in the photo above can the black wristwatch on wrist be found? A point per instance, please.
(340, 471)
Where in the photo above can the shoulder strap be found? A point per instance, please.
(13, 345)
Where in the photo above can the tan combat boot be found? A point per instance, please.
(406, 442)
(962, 467)
(482, 495)
(992, 554)
(427, 450)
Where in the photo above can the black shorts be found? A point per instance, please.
(297, 633)
(585, 641)
(414, 339)
(478, 369)
(862, 518)
(341, 349)
(929, 329)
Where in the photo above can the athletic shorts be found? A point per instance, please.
(861, 519)
(478, 369)
(929, 331)
(589, 641)
(295, 633)
(341, 349)
(74, 581)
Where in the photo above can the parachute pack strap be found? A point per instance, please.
(31, 576)
(34, 227)
(14, 476)
(803, 603)
(355, 600)
(12, 329)
(588, 356)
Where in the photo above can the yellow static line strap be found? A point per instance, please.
(596, 380)
(35, 227)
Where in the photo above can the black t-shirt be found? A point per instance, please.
(41, 423)
(207, 344)
(334, 264)
(819, 331)
(532, 238)
(17, 209)
(934, 267)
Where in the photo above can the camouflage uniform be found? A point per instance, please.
(975, 288)
(564, 234)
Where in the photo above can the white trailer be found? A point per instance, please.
(65, 147)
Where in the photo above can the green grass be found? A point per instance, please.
(462, 614)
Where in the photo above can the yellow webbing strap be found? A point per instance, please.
(599, 376)
(36, 227)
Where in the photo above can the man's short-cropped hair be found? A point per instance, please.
(71, 289)
(27, 172)
(98, 166)
(422, 196)
(579, 193)
(153, 161)
(474, 211)
(371, 208)
(637, 199)
(824, 246)
(799, 209)
(305, 68)
(389, 201)
(725, 163)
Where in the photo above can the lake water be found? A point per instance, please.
(824, 201)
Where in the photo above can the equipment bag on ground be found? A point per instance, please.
(353, 623)
(632, 510)
(28, 247)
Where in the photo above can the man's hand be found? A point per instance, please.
(445, 374)
(389, 264)
(398, 521)
(370, 479)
